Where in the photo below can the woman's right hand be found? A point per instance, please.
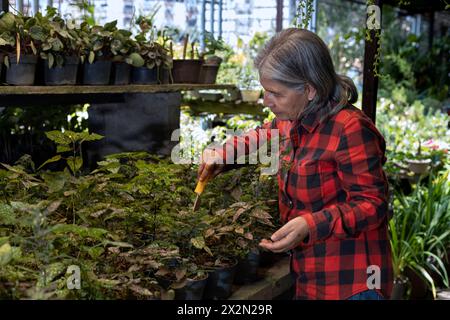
(211, 165)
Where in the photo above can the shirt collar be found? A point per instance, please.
(311, 120)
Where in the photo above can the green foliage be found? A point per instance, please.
(419, 230)
(69, 141)
(129, 219)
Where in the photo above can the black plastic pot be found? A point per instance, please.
(64, 75)
(144, 75)
(2, 57)
(121, 73)
(164, 76)
(269, 258)
(399, 289)
(247, 269)
(21, 74)
(193, 290)
(220, 282)
(186, 71)
(97, 73)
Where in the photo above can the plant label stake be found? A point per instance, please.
(199, 190)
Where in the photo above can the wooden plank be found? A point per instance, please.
(78, 90)
(277, 280)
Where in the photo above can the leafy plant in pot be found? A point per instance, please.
(249, 85)
(20, 40)
(187, 70)
(97, 56)
(61, 49)
(419, 236)
(210, 67)
(121, 47)
(148, 59)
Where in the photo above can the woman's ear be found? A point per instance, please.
(311, 92)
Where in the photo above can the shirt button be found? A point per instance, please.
(291, 205)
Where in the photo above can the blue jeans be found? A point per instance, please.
(367, 295)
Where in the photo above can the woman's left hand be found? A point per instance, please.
(288, 236)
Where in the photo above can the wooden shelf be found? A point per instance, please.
(110, 89)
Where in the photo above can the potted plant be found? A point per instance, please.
(148, 59)
(419, 236)
(20, 40)
(419, 163)
(187, 70)
(121, 47)
(249, 85)
(97, 56)
(61, 49)
(211, 64)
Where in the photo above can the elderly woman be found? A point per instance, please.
(333, 193)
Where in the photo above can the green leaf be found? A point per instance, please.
(54, 159)
(198, 242)
(55, 181)
(6, 61)
(84, 232)
(63, 148)
(33, 48)
(136, 60)
(51, 60)
(85, 136)
(91, 57)
(37, 33)
(58, 137)
(7, 22)
(5, 254)
(74, 163)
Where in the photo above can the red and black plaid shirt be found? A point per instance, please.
(331, 174)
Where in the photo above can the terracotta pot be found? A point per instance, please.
(208, 73)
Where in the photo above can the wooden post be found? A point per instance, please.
(370, 81)
(5, 5)
(279, 25)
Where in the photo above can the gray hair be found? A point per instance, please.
(298, 57)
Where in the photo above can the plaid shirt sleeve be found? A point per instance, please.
(359, 156)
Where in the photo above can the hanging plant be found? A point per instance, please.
(303, 15)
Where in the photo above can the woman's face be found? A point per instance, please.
(285, 103)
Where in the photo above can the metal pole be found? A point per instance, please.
(5, 5)
(36, 6)
(202, 26)
(313, 22)
(220, 18)
(279, 19)
(292, 10)
(20, 6)
(212, 17)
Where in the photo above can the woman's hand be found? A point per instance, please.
(288, 236)
(211, 165)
